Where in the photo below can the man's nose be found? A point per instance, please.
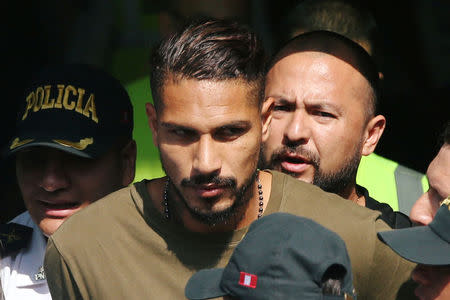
(298, 131)
(207, 158)
(423, 210)
(54, 176)
(420, 275)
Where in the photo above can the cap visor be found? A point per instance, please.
(205, 284)
(418, 244)
(64, 148)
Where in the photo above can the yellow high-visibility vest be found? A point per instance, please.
(391, 182)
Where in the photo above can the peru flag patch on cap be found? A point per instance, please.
(248, 280)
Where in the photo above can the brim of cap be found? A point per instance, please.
(418, 244)
(205, 284)
(8, 152)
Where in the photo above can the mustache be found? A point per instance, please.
(311, 156)
(209, 179)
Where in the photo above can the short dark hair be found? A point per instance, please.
(341, 47)
(332, 280)
(342, 16)
(209, 49)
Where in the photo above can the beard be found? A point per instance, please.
(336, 182)
(241, 195)
(339, 181)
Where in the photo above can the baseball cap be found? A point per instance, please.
(426, 245)
(77, 108)
(282, 256)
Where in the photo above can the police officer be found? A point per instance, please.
(73, 144)
(429, 245)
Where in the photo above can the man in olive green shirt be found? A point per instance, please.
(208, 122)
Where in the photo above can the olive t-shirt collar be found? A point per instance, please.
(170, 229)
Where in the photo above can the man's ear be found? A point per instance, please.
(128, 157)
(266, 117)
(152, 121)
(374, 130)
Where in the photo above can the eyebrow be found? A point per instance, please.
(175, 126)
(236, 124)
(283, 99)
(313, 104)
(242, 123)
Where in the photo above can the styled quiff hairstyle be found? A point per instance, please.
(209, 49)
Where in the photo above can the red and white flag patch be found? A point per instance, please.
(248, 280)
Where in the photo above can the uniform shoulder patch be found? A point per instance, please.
(14, 237)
